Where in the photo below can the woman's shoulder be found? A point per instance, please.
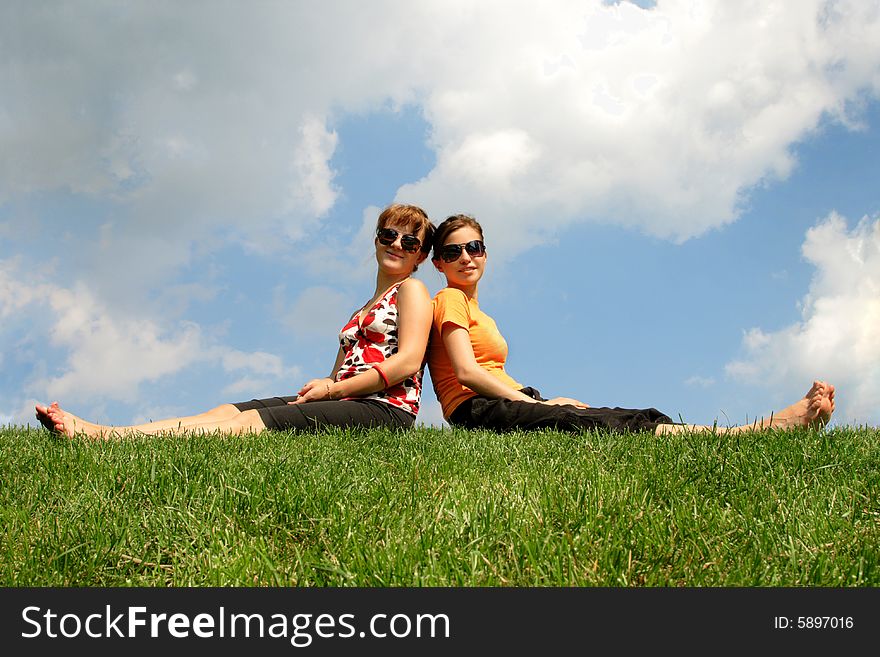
(448, 294)
(451, 303)
(413, 295)
(413, 288)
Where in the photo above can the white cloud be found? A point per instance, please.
(313, 178)
(493, 160)
(212, 117)
(109, 356)
(258, 362)
(700, 381)
(106, 354)
(318, 311)
(22, 415)
(15, 296)
(838, 337)
(266, 375)
(659, 119)
(259, 388)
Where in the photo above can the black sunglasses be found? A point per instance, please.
(409, 243)
(452, 252)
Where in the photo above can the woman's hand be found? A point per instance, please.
(566, 401)
(314, 390)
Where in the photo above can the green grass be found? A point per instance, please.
(435, 507)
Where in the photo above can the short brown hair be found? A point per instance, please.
(450, 225)
(410, 217)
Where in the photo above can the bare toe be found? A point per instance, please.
(42, 414)
(824, 409)
(828, 400)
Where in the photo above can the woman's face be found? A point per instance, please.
(393, 259)
(467, 270)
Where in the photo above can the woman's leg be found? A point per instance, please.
(225, 418)
(318, 415)
(813, 410)
(512, 415)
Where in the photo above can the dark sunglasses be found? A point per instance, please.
(409, 243)
(452, 252)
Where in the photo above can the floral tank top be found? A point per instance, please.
(369, 343)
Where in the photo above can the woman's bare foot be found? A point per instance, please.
(67, 424)
(814, 410)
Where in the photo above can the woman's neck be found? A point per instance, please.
(384, 281)
(469, 290)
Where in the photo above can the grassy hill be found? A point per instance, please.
(432, 507)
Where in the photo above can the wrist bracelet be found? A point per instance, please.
(382, 374)
(329, 396)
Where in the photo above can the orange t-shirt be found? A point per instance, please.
(452, 306)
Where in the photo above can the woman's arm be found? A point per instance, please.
(414, 316)
(413, 328)
(470, 374)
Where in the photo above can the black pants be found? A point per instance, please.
(277, 414)
(508, 415)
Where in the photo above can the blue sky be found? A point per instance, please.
(681, 200)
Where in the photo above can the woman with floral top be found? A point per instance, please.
(376, 379)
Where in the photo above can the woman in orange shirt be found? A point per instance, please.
(467, 354)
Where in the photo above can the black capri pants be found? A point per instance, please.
(277, 414)
(508, 415)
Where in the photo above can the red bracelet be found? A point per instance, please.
(382, 374)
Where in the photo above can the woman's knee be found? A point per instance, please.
(250, 420)
(224, 411)
(572, 418)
